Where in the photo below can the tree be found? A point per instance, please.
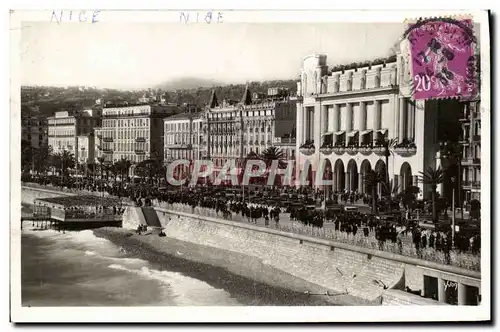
(67, 161)
(388, 145)
(433, 177)
(26, 155)
(41, 159)
(271, 154)
(100, 161)
(115, 169)
(123, 166)
(409, 197)
(372, 179)
(150, 168)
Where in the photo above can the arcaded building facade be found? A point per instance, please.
(342, 114)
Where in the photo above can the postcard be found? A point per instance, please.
(250, 166)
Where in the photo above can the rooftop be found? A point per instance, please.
(183, 116)
(88, 200)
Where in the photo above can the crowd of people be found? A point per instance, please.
(361, 228)
(92, 212)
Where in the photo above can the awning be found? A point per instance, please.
(364, 132)
(383, 131)
(340, 132)
(352, 133)
(328, 133)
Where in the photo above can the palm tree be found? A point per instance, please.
(115, 169)
(408, 197)
(372, 179)
(388, 145)
(433, 177)
(124, 166)
(67, 160)
(271, 154)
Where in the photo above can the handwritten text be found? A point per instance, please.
(74, 16)
(208, 17)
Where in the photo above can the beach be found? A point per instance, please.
(243, 276)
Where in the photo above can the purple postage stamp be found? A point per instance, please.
(443, 59)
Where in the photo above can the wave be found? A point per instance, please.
(185, 290)
(90, 253)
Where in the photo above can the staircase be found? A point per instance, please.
(150, 217)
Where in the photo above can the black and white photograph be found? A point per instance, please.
(238, 166)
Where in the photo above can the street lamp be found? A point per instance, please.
(452, 152)
(453, 213)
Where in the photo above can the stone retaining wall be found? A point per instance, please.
(335, 266)
(321, 262)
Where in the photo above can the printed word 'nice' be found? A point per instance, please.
(74, 16)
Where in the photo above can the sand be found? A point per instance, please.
(243, 276)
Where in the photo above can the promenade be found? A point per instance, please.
(465, 260)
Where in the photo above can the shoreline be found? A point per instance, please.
(246, 278)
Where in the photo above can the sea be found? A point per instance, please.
(76, 268)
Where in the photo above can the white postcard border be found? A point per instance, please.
(249, 314)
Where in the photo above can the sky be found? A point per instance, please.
(141, 55)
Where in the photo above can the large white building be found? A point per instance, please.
(132, 132)
(342, 113)
(65, 127)
(183, 137)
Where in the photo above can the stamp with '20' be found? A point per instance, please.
(443, 60)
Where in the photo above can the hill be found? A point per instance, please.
(186, 83)
(44, 101)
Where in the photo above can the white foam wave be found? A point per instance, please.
(90, 253)
(185, 290)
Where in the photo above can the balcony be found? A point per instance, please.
(107, 151)
(326, 149)
(464, 140)
(476, 184)
(307, 148)
(339, 148)
(406, 151)
(476, 138)
(179, 146)
(139, 151)
(107, 139)
(365, 149)
(140, 139)
(471, 161)
(352, 149)
(379, 150)
(465, 116)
